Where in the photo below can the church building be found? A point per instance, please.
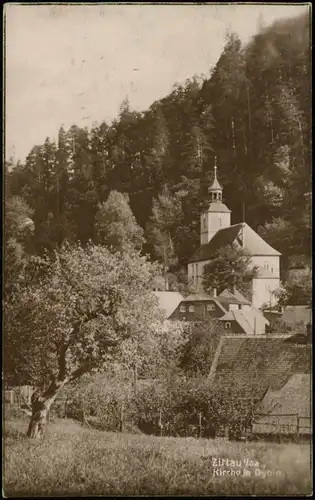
(216, 231)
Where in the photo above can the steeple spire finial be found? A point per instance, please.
(215, 189)
(215, 168)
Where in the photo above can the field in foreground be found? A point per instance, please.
(72, 460)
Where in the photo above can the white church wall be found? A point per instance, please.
(264, 291)
(211, 222)
(217, 221)
(268, 262)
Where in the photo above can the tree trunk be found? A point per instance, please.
(41, 404)
(40, 409)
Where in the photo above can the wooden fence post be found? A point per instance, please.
(200, 425)
(66, 409)
(160, 424)
(121, 421)
(297, 427)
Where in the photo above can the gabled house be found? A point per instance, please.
(232, 309)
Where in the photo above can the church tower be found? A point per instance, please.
(217, 215)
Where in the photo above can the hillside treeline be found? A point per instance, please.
(252, 113)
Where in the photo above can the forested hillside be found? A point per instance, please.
(253, 113)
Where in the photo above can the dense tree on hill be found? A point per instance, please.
(116, 225)
(297, 290)
(252, 113)
(162, 228)
(18, 239)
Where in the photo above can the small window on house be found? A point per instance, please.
(266, 266)
(210, 307)
(191, 309)
(205, 221)
(227, 325)
(219, 222)
(182, 309)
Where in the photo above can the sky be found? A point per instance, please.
(74, 64)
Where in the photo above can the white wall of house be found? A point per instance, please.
(195, 272)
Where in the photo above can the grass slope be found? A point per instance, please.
(72, 460)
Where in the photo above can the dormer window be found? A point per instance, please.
(182, 309)
(210, 307)
(191, 309)
(227, 325)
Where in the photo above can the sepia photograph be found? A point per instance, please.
(157, 250)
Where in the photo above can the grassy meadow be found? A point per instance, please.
(74, 460)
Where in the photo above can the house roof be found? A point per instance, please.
(168, 301)
(258, 362)
(205, 298)
(248, 319)
(249, 239)
(218, 299)
(283, 406)
(237, 295)
(198, 296)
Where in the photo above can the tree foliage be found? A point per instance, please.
(231, 265)
(116, 225)
(73, 309)
(203, 338)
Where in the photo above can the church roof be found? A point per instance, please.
(252, 242)
(218, 206)
(215, 186)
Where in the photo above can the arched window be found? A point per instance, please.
(227, 325)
